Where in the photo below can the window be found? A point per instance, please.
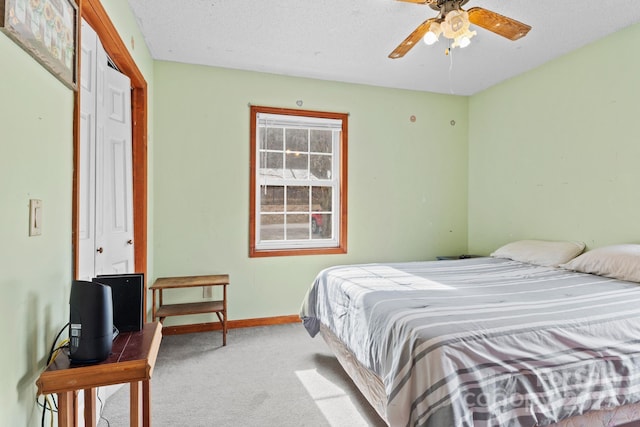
(298, 182)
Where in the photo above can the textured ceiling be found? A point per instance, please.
(349, 40)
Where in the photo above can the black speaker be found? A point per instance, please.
(127, 292)
(90, 322)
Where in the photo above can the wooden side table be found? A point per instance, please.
(219, 307)
(132, 359)
(447, 257)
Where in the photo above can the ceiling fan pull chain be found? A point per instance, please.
(451, 91)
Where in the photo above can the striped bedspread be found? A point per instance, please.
(484, 341)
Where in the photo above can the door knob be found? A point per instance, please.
(129, 242)
(100, 249)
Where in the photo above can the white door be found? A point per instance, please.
(105, 188)
(114, 209)
(87, 155)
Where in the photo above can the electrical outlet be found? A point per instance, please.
(35, 217)
(207, 292)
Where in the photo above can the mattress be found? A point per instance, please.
(483, 341)
(372, 388)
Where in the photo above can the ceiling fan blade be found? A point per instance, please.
(413, 38)
(499, 24)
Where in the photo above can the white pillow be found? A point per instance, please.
(540, 252)
(618, 261)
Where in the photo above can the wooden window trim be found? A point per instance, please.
(342, 247)
(94, 13)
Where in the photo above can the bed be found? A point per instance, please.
(488, 341)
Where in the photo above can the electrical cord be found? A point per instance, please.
(51, 418)
(44, 410)
(102, 417)
(48, 405)
(53, 345)
(63, 344)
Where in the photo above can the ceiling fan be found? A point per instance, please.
(453, 22)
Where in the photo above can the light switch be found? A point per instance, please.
(35, 217)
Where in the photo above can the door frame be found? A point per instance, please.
(96, 16)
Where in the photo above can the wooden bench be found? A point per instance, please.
(219, 307)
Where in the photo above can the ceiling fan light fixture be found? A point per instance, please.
(456, 27)
(432, 35)
(464, 40)
(455, 24)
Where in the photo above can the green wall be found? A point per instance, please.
(36, 162)
(554, 153)
(407, 180)
(549, 154)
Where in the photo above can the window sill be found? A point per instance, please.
(253, 253)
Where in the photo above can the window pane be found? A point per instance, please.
(321, 141)
(321, 199)
(321, 226)
(320, 166)
(297, 199)
(298, 164)
(297, 140)
(297, 227)
(274, 139)
(271, 227)
(271, 198)
(271, 165)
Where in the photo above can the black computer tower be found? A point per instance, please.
(127, 291)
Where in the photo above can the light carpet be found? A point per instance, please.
(264, 376)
